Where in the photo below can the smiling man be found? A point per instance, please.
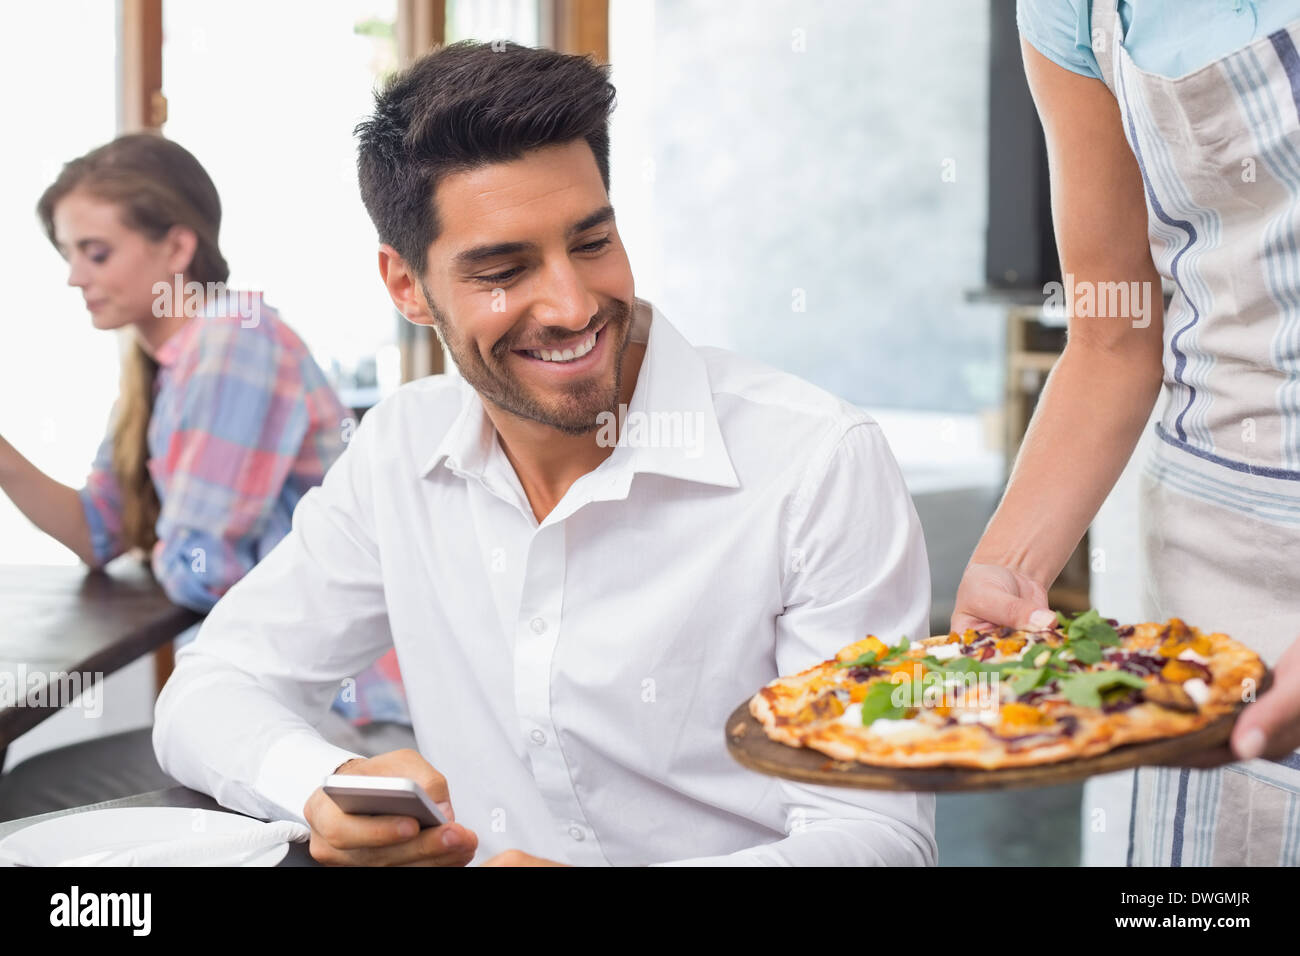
(574, 617)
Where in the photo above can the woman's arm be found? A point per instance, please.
(53, 507)
(1100, 393)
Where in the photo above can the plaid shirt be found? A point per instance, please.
(244, 423)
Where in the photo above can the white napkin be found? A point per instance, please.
(228, 849)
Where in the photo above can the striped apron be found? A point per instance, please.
(1219, 153)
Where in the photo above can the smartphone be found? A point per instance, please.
(381, 796)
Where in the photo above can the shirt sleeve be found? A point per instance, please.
(243, 420)
(856, 565)
(101, 501)
(238, 719)
(1061, 30)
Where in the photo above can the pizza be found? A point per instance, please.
(1010, 698)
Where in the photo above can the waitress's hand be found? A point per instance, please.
(1270, 727)
(991, 595)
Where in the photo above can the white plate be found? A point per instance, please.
(123, 828)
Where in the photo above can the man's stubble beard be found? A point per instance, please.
(505, 391)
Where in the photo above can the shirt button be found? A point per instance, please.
(577, 834)
(538, 625)
(538, 737)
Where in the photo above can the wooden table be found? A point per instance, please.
(70, 621)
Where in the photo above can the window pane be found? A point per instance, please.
(515, 20)
(58, 375)
(805, 183)
(266, 95)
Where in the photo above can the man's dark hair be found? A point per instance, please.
(464, 106)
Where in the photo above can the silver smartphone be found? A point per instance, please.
(382, 796)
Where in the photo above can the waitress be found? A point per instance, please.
(1173, 135)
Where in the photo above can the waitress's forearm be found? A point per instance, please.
(1100, 394)
(53, 507)
(1089, 418)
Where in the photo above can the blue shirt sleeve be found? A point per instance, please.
(101, 502)
(1061, 30)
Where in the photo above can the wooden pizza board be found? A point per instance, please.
(750, 746)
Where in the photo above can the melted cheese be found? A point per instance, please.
(987, 716)
(886, 727)
(852, 715)
(1197, 690)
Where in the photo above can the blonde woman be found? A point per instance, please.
(223, 423)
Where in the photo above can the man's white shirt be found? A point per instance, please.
(571, 678)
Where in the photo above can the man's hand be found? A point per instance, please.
(994, 596)
(353, 839)
(520, 858)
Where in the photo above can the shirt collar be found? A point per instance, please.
(170, 350)
(669, 427)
